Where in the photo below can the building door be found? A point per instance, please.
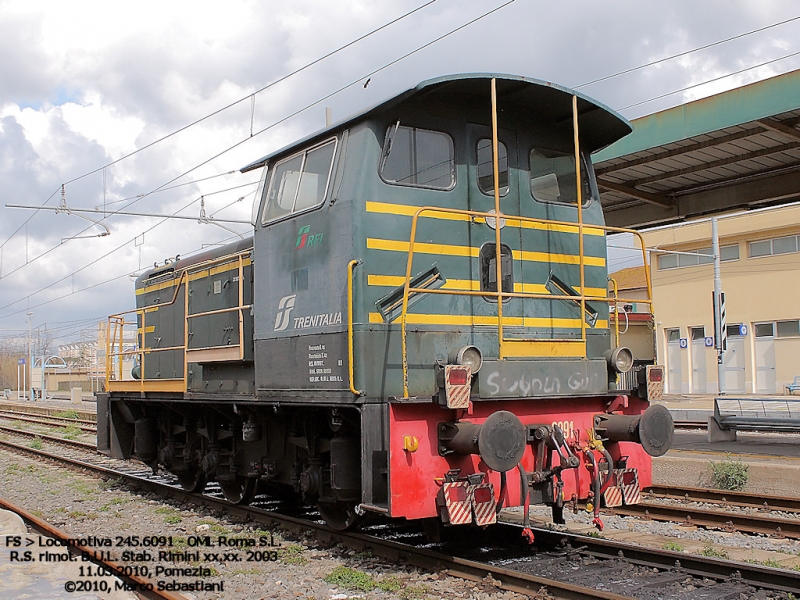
(734, 361)
(699, 379)
(674, 374)
(765, 357)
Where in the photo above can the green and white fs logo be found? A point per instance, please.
(306, 239)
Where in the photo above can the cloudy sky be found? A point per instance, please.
(122, 103)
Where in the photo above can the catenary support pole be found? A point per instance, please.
(719, 325)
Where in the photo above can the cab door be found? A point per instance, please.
(482, 231)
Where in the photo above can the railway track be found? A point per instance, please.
(114, 568)
(83, 425)
(730, 511)
(50, 438)
(561, 563)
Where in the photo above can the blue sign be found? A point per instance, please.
(21, 361)
(709, 342)
(684, 342)
(742, 330)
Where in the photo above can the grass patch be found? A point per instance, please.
(67, 414)
(251, 571)
(36, 443)
(114, 502)
(390, 583)
(70, 432)
(292, 555)
(87, 488)
(171, 516)
(771, 562)
(215, 528)
(712, 552)
(673, 546)
(729, 474)
(414, 592)
(594, 534)
(351, 579)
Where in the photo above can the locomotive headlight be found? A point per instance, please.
(620, 359)
(468, 356)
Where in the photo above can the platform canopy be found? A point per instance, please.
(736, 150)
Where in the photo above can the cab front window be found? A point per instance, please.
(299, 182)
(553, 177)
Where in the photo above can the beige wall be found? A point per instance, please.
(756, 290)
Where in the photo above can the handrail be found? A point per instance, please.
(582, 297)
(116, 323)
(616, 309)
(350, 352)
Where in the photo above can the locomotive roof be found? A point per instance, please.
(599, 125)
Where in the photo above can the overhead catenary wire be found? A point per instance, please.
(276, 123)
(702, 83)
(686, 53)
(267, 128)
(231, 105)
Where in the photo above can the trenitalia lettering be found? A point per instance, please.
(318, 320)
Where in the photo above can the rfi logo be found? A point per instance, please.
(304, 240)
(285, 307)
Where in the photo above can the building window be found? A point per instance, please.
(418, 157)
(782, 245)
(701, 256)
(673, 335)
(733, 331)
(698, 333)
(788, 328)
(485, 166)
(764, 329)
(299, 182)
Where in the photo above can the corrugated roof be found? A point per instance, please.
(737, 149)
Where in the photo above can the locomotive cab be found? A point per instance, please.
(422, 314)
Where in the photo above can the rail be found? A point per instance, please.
(122, 350)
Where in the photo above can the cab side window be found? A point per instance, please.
(418, 158)
(299, 182)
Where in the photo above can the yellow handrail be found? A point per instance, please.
(350, 352)
(117, 321)
(616, 308)
(582, 297)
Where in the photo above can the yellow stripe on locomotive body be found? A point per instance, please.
(201, 274)
(409, 211)
(454, 250)
(473, 320)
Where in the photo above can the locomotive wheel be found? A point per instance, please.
(193, 481)
(338, 515)
(239, 491)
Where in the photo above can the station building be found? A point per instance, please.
(760, 273)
